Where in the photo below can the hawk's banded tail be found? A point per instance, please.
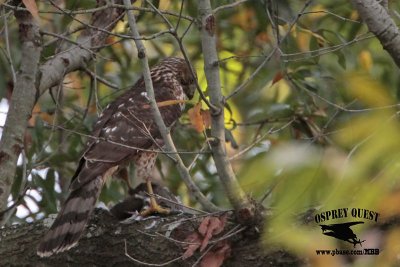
(71, 220)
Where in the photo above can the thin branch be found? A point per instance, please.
(47, 125)
(147, 263)
(332, 14)
(232, 5)
(62, 37)
(102, 8)
(255, 142)
(100, 79)
(324, 50)
(8, 54)
(269, 56)
(202, 255)
(180, 16)
(253, 74)
(182, 169)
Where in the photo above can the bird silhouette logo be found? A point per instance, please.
(343, 232)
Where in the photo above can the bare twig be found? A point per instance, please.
(8, 54)
(332, 14)
(100, 79)
(47, 125)
(101, 8)
(255, 142)
(269, 56)
(182, 169)
(232, 5)
(253, 74)
(202, 255)
(147, 263)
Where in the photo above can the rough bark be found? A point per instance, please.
(22, 102)
(380, 23)
(103, 244)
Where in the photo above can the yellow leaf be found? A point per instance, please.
(365, 60)
(368, 90)
(32, 8)
(303, 40)
(164, 5)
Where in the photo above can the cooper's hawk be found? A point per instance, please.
(125, 131)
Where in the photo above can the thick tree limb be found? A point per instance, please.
(182, 169)
(381, 24)
(22, 102)
(237, 197)
(78, 56)
(103, 244)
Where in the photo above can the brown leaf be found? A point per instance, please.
(278, 76)
(206, 115)
(211, 226)
(216, 257)
(195, 118)
(194, 238)
(32, 8)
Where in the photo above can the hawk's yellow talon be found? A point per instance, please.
(154, 206)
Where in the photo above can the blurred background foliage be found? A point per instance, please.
(316, 127)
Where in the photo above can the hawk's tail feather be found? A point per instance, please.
(71, 220)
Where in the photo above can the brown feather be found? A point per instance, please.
(124, 131)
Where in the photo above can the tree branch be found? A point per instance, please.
(154, 241)
(22, 102)
(381, 24)
(32, 82)
(238, 199)
(78, 56)
(182, 169)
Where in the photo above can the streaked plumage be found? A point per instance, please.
(125, 131)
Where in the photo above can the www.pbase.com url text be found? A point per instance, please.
(333, 252)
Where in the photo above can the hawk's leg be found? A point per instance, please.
(144, 164)
(154, 206)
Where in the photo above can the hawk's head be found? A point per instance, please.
(182, 71)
